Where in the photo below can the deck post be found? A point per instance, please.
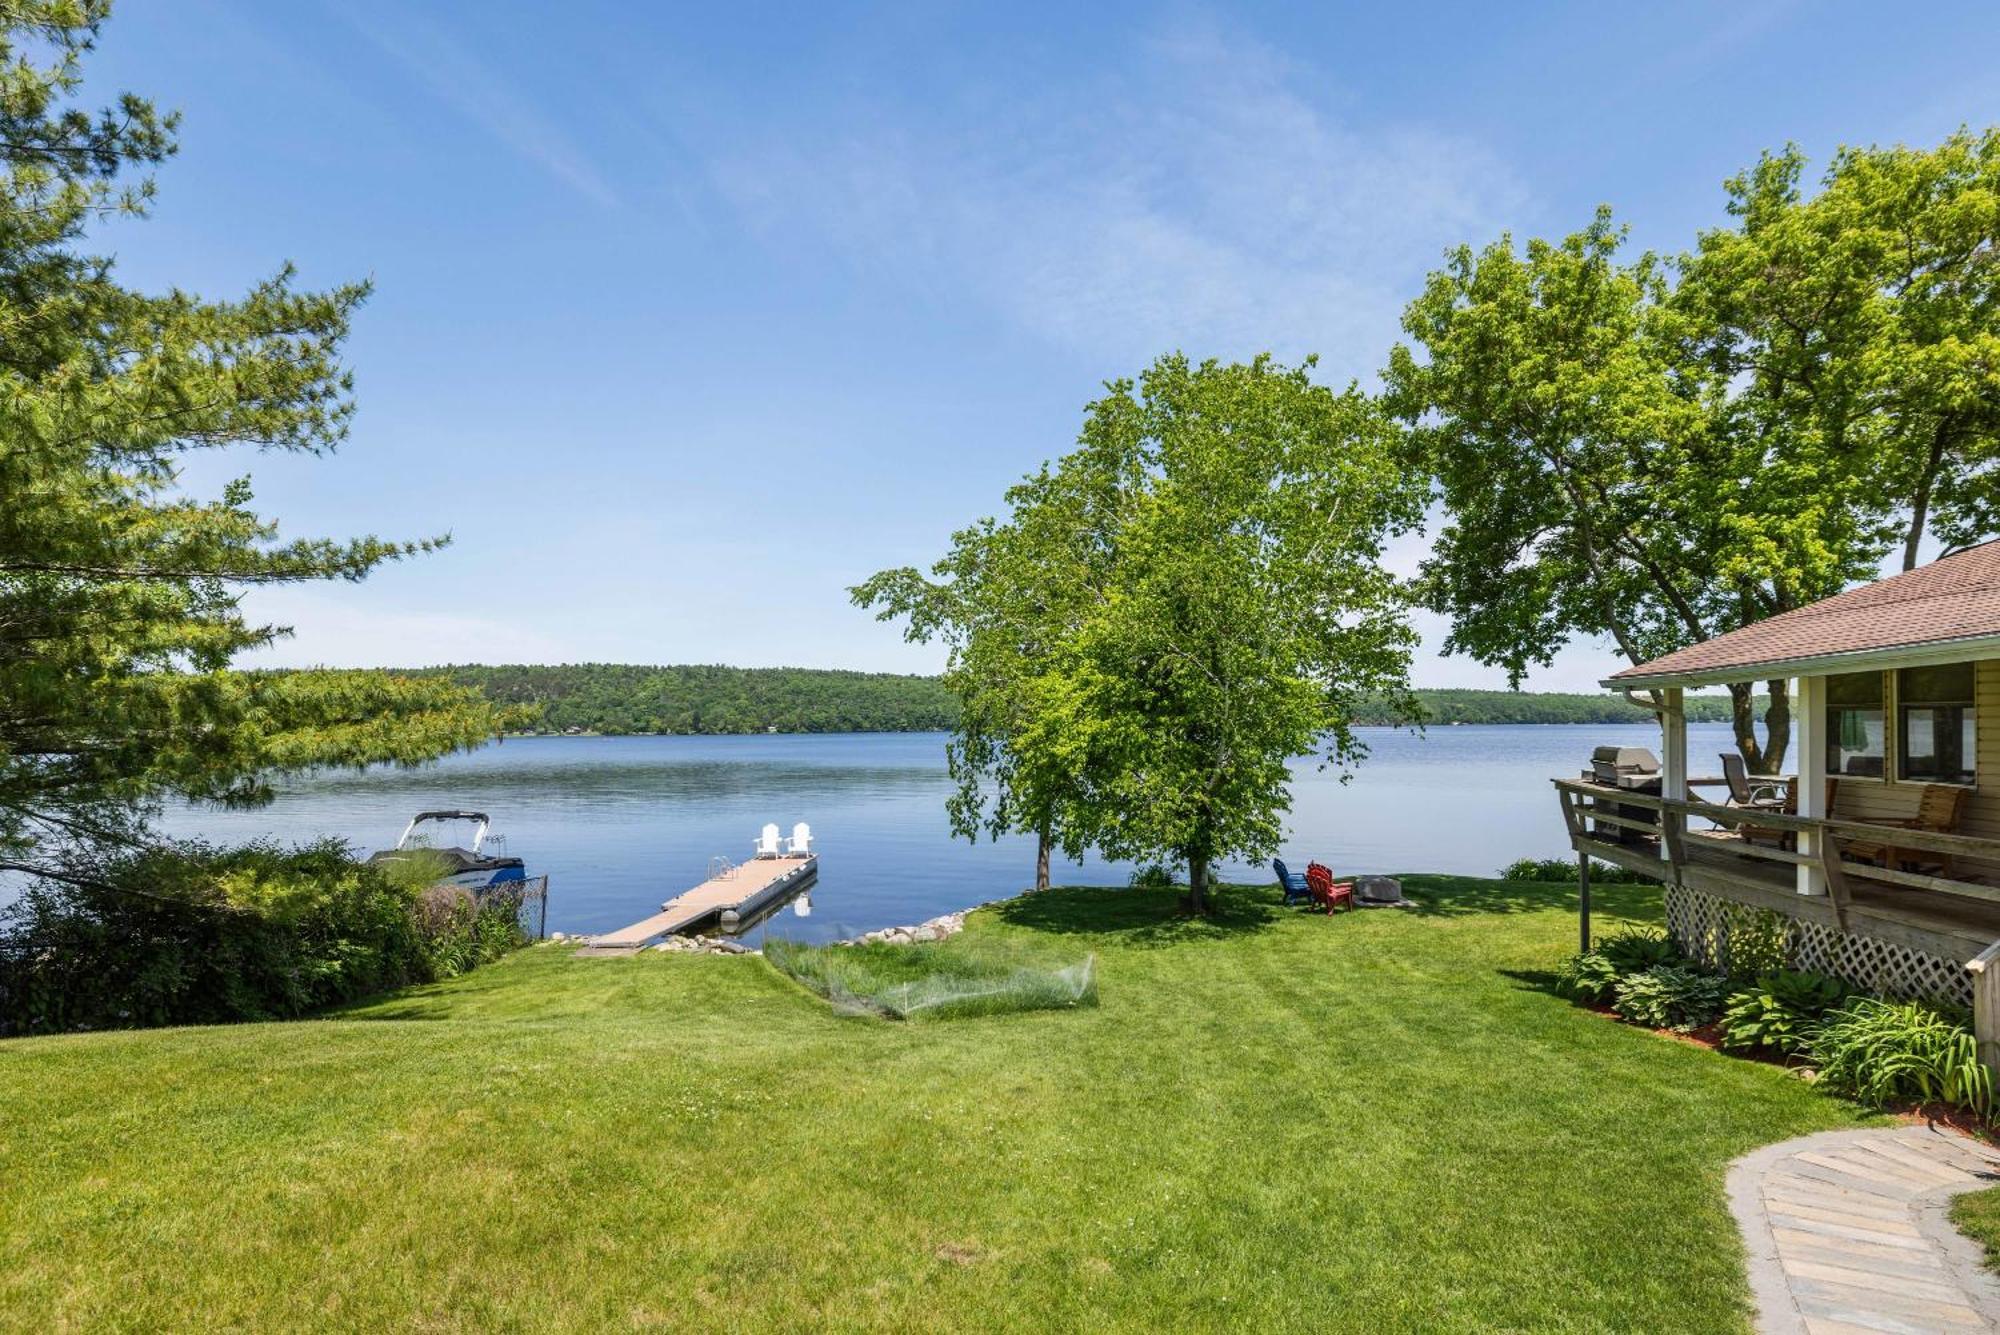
(1985, 971)
(1583, 902)
(1809, 708)
(1673, 769)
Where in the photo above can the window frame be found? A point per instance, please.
(1884, 705)
(1901, 708)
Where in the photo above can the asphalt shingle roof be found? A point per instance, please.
(1955, 598)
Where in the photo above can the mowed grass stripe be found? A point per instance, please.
(1380, 1121)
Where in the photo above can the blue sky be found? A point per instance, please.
(689, 316)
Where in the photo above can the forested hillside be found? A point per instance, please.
(1468, 706)
(617, 698)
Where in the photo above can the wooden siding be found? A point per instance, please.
(1891, 799)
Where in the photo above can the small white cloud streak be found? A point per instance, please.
(341, 631)
(1200, 200)
(462, 81)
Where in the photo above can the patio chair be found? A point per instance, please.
(767, 842)
(802, 837)
(1328, 893)
(1939, 811)
(1297, 889)
(1745, 792)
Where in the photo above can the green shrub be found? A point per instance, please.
(1152, 876)
(1760, 940)
(1588, 977)
(1592, 976)
(1889, 1052)
(935, 981)
(192, 934)
(1668, 996)
(1781, 1013)
(1636, 951)
(1564, 870)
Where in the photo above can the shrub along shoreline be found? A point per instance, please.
(193, 934)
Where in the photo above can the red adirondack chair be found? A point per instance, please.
(1328, 893)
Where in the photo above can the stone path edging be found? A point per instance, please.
(1850, 1231)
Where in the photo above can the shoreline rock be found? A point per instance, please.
(941, 928)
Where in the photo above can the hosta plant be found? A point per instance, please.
(1669, 997)
(1781, 1013)
(1587, 977)
(1635, 952)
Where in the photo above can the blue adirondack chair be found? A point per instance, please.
(1293, 884)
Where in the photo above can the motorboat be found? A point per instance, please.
(470, 864)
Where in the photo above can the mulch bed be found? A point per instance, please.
(1709, 1036)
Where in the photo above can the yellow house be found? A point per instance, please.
(1882, 853)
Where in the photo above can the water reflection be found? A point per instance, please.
(621, 824)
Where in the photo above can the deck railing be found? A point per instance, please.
(1589, 807)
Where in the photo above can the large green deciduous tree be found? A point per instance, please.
(1659, 453)
(1242, 613)
(1175, 610)
(1003, 601)
(1861, 325)
(119, 591)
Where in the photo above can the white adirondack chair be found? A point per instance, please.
(802, 837)
(767, 843)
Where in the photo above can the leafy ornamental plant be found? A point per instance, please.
(1669, 996)
(1781, 1013)
(1888, 1052)
(1587, 977)
(1759, 940)
(1634, 952)
(1593, 975)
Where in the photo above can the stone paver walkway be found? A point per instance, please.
(1848, 1231)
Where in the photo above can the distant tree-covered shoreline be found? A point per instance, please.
(617, 699)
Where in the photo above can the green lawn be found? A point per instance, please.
(1383, 1121)
(1977, 1214)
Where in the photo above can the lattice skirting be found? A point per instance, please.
(1702, 924)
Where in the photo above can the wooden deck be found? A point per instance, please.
(729, 892)
(1944, 925)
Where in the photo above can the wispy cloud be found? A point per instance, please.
(1205, 198)
(457, 77)
(351, 628)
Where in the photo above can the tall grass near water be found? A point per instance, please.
(935, 981)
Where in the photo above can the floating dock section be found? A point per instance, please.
(733, 893)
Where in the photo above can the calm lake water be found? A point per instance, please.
(621, 823)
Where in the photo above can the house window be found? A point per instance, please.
(1934, 741)
(1854, 725)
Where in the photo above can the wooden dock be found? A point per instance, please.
(735, 890)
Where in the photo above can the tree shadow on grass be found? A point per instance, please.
(1141, 917)
(1463, 896)
(1535, 980)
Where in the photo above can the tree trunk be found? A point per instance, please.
(1197, 883)
(1768, 756)
(1743, 717)
(1042, 846)
(1777, 726)
(1920, 502)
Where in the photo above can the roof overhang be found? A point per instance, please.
(1820, 665)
